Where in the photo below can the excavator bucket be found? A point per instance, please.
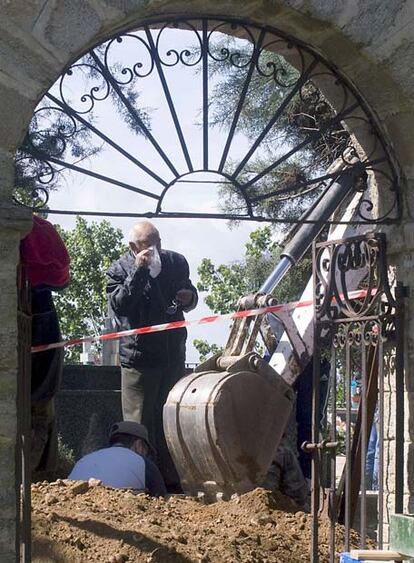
(224, 422)
(223, 426)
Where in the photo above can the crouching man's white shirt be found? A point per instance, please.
(115, 466)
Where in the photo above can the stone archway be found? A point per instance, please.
(370, 42)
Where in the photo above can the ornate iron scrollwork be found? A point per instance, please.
(356, 320)
(261, 53)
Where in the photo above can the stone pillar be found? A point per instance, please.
(13, 223)
(400, 241)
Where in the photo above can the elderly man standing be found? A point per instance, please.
(149, 286)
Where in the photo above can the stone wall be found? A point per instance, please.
(371, 41)
(11, 225)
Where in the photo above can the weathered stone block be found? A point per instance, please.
(7, 499)
(15, 222)
(410, 468)
(401, 56)
(8, 417)
(400, 128)
(7, 539)
(9, 256)
(390, 466)
(15, 113)
(373, 20)
(7, 556)
(123, 7)
(390, 416)
(25, 62)
(8, 352)
(6, 173)
(386, 533)
(8, 382)
(71, 25)
(409, 373)
(22, 13)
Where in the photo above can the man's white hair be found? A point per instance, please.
(132, 235)
(139, 226)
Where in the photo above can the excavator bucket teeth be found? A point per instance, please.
(223, 427)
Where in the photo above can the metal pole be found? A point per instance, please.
(332, 500)
(380, 438)
(307, 233)
(316, 466)
(348, 469)
(23, 480)
(399, 399)
(275, 277)
(364, 441)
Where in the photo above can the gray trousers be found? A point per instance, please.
(144, 393)
(44, 444)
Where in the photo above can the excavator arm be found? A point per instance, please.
(224, 422)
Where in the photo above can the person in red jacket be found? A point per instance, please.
(45, 263)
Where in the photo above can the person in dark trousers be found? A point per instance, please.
(45, 262)
(303, 387)
(150, 286)
(125, 464)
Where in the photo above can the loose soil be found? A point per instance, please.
(74, 521)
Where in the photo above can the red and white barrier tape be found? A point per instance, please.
(180, 324)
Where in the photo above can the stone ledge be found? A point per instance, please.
(14, 217)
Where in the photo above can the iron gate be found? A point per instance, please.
(23, 470)
(361, 338)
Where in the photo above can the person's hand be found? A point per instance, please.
(143, 258)
(184, 297)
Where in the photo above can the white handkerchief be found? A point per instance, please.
(155, 264)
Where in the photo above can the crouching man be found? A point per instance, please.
(125, 464)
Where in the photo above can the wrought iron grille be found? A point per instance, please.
(364, 339)
(23, 470)
(270, 116)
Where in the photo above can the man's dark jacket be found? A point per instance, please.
(136, 299)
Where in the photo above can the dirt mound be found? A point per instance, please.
(76, 522)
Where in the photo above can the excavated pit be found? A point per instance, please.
(76, 522)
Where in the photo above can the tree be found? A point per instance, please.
(226, 283)
(285, 191)
(205, 349)
(53, 132)
(82, 305)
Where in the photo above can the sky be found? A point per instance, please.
(194, 238)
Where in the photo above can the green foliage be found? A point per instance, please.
(305, 113)
(54, 133)
(226, 283)
(264, 93)
(82, 305)
(205, 349)
(288, 193)
(283, 191)
(66, 459)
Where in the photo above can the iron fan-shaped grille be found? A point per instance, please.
(268, 95)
